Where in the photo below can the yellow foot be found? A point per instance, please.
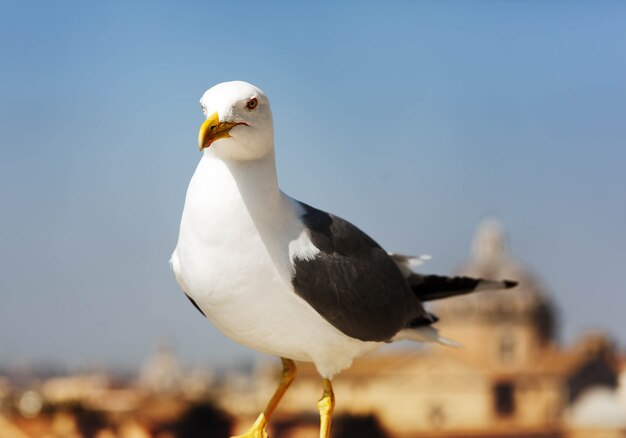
(257, 430)
(253, 433)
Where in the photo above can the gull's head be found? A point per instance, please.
(238, 121)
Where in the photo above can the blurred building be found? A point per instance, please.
(165, 401)
(511, 379)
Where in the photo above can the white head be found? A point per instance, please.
(238, 123)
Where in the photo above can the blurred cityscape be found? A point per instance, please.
(512, 378)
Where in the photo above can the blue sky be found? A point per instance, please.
(414, 120)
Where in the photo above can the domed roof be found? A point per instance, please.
(490, 259)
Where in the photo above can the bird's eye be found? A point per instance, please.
(252, 103)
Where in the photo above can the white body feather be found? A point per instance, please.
(238, 236)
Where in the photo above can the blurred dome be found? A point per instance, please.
(162, 372)
(490, 259)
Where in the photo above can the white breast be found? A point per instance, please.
(218, 248)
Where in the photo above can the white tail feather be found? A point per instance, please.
(425, 334)
(408, 264)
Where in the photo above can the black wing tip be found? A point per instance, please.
(195, 305)
(508, 284)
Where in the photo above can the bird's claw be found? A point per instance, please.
(253, 433)
(257, 430)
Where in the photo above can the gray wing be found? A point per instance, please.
(353, 283)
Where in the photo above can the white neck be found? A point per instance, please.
(257, 183)
(267, 206)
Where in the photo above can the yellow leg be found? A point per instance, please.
(259, 428)
(326, 405)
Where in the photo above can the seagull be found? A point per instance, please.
(283, 277)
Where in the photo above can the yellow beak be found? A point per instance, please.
(212, 129)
